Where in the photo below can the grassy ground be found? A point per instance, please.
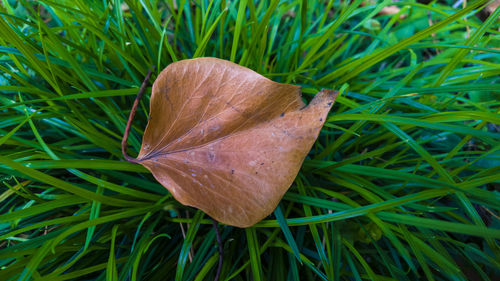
(402, 183)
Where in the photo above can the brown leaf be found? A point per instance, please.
(226, 140)
(488, 10)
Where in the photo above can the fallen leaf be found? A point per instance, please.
(390, 10)
(488, 10)
(226, 140)
(387, 10)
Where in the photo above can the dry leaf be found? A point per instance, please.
(226, 140)
(488, 10)
(387, 10)
(391, 10)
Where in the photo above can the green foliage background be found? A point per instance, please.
(402, 183)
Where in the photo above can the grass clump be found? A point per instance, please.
(401, 185)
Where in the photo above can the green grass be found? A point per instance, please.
(402, 184)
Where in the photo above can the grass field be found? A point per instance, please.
(402, 184)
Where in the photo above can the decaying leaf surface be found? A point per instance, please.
(226, 140)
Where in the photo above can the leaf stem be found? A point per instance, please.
(131, 117)
(219, 243)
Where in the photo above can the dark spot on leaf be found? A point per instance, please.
(211, 156)
(320, 119)
(256, 173)
(282, 114)
(330, 103)
(262, 163)
(232, 171)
